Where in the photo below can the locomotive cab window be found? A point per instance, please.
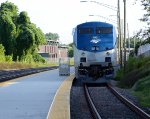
(103, 30)
(86, 30)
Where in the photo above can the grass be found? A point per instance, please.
(21, 65)
(72, 61)
(137, 77)
(136, 68)
(132, 77)
(142, 90)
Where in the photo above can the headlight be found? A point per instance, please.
(108, 53)
(83, 54)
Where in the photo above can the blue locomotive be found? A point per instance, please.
(95, 49)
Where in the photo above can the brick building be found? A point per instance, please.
(52, 51)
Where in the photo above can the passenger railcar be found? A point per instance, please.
(95, 49)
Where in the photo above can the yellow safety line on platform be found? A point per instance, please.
(6, 83)
(60, 108)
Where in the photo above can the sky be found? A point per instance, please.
(61, 16)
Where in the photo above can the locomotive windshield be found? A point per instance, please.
(103, 30)
(86, 30)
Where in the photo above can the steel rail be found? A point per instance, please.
(133, 107)
(91, 104)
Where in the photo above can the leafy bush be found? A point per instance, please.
(136, 63)
(2, 53)
(131, 78)
(38, 58)
(27, 58)
(136, 68)
(8, 58)
(120, 74)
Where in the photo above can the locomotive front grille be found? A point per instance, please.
(83, 59)
(107, 59)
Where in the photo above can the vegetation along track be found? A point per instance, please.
(11, 74)
(105, 102)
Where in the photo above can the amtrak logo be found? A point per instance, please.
(95, 39)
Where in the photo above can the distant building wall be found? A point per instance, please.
(144, 50)
(54, 50)
(63, 52)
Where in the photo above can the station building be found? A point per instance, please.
(52, 51)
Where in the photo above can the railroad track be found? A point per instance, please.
(11, 74)
(105, 102)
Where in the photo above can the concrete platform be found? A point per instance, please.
(30, 97)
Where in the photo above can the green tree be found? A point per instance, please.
(71, 45)
(10, 8)
(19, 36)
(8, 13)
(70, 51)
(52, 36)
(29, 36)
(146, 18)
(23, 18)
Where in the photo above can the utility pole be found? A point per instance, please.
(134, 41)
(128, 38)
(119, 36)
(124, 34)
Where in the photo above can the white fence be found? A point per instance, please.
(144, 50)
